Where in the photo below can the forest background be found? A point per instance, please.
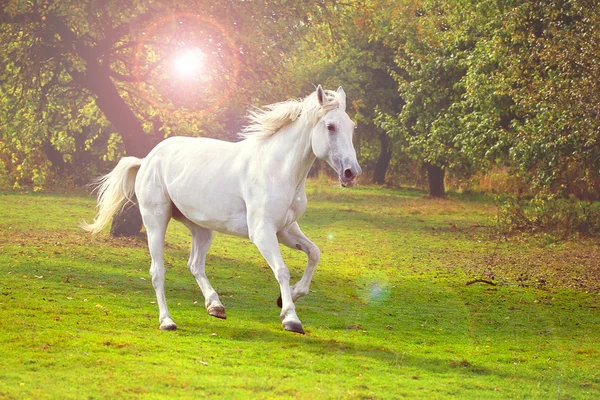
(496, 95)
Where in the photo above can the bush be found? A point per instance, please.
(563, 217)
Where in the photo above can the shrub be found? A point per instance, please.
(563, 217)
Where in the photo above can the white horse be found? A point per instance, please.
(254, 188)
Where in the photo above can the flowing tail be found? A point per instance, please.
(114, 189)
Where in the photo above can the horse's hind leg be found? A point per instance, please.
(293, 238)
(201, 240)
(156, 218)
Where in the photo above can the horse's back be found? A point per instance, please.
(179, 155)
(184, 146)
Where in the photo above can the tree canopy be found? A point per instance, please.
(72, 69)
(504, 82)
(456, 87)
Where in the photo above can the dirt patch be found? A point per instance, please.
(69, 238)
(576, 266)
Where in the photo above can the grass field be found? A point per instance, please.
(389, 314)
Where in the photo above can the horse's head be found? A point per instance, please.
(332, 137)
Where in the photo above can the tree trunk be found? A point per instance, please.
(127, 221)
(383, 161)
(109, 101)
(114, 108)
(435, 176)
(96, 78)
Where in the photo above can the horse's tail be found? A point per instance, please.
(114, 189)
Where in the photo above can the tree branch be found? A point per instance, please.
(142, 78)
(115, 34)
(25, 18)
(481, 281)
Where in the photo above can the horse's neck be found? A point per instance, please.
(291, 150)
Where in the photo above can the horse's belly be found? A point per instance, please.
(222, 214)
(236, 225)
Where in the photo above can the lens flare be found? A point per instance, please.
(152, 34)
(373, 291)
(188, 63)
(378, 291)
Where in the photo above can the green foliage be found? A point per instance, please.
(74, 73)
(507, 82)
(341, 51)
(464, 85)
(431, 48)
(534, 84)
(561, 217)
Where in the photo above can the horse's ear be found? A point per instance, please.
(321, 96)
(342, 98)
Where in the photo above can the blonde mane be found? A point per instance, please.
(267, 120)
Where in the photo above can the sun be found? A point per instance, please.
(188, 63)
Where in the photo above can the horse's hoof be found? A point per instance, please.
(169, 326)
(279, 302)
(293, 327)
(217, 311)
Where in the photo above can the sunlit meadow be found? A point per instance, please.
(389, 314)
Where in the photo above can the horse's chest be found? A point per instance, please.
(297, 208)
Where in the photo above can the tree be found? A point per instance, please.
(549, 68)
(341, 50)
(432, 42)
(529, 92)
(113, 61)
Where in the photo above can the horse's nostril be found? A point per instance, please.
(348, 173)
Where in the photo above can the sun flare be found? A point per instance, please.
(188, 63)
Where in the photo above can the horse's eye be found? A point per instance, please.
(331, 128)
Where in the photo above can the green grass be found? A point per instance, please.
(389, 314)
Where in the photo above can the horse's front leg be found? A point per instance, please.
(293, 238)
(265, 238)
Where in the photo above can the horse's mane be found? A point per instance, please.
(267, 120)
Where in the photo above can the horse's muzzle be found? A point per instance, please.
(350, 175)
